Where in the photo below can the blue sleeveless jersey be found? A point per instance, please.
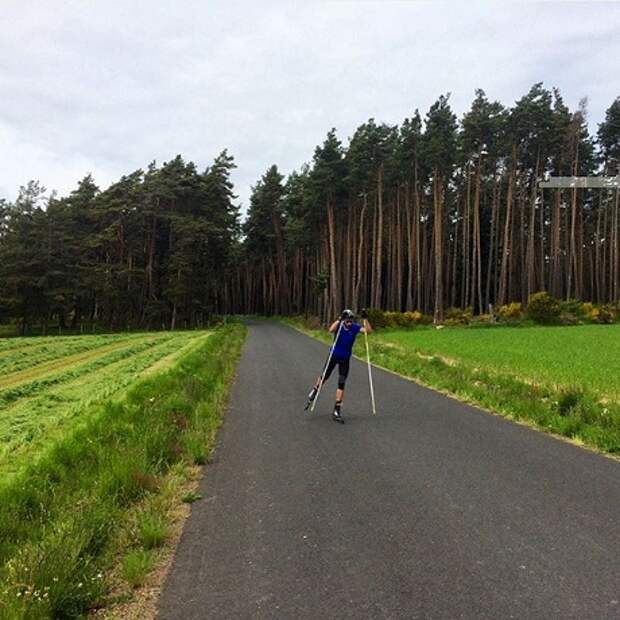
(343, 347)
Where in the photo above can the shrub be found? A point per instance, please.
(510, 312)
(482, 319)
(391, 319)
(382, 318)
(377, 318)
(410, 319)
(589, 311)
(398, 319)
(574, 307)
(427, 319)
(606, 314)
(571, 312)
(456, 316)
(543, 309)
(567, 318)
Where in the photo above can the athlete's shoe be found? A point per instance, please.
(337, 416)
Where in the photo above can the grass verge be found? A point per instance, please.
(564, 410)
(96, 504)
(34, 421)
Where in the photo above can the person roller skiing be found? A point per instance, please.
(346, 330)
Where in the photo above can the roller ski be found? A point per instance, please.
(337, 415)
(311, 398)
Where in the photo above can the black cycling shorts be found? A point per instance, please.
(343, 369)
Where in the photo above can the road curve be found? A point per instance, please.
(431, 509)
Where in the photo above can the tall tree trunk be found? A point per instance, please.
(466, 242)
(491, 250)
(477, 262)
(418, 249)
(409, 224)
(378, 262)
(506, 246)
(333, 281)
(360, 254)
(455, 253)
(615, 266)
(398, 285)
(438, 245)
(531, 239)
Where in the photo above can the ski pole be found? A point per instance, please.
(372, 392)
(331, 352)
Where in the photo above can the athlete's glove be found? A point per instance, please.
(364, 313)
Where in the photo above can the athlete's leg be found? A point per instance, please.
(330, 367)
(343, 373)
(328, 372)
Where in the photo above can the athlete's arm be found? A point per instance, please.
(367, 329)
(334, 326)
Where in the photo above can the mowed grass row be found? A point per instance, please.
(38, 351)
(46, 409)
(23, 343)
(560, 379)
(37, 379)
(95, 507)
(46, 369)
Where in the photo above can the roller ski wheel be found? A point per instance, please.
(337, 417)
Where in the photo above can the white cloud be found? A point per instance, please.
(108, 87)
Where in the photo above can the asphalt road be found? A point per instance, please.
(430, 509)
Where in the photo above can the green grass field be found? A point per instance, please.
(585, 356)
(47, 383)
(100, 437)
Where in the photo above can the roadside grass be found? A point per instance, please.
(152, 530)
(40, 414)
(514, 375)
(136, 566)
(93, 507)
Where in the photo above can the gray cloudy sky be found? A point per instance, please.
(107, 86)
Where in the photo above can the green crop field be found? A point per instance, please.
(46, 383)
(585, 356)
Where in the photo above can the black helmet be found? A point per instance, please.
(347, 314)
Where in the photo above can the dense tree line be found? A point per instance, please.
(439, 213)
(433, 213)
(151, 251)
